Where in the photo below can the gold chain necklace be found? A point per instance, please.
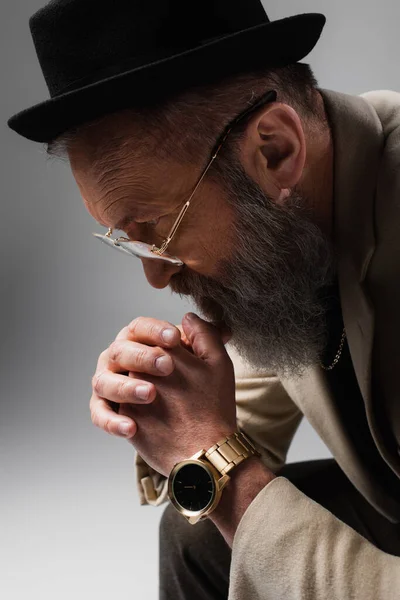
(338, 354)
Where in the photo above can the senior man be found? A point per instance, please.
(274, 204)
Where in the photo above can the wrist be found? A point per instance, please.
(247, 480)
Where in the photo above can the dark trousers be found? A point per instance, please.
(195, 559)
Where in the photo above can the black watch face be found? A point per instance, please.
(193, 487)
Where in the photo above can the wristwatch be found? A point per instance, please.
(195, 485)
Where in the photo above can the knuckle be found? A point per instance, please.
(97, 383)
(133, 326)
(201, 339)
(124, 390)
(202, 353)
(203, 336)
(141, 357)
(107, 425)
(155, 330)
(114, 351)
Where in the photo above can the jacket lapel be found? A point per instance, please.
(358, 144)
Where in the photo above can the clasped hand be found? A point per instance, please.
(175, 388)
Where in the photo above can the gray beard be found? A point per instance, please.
(272, 291)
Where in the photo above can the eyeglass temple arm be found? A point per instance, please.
(186, 206)
(269, 96)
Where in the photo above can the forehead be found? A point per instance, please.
(119, 180)
(105, 151)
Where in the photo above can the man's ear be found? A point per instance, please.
(274, 149)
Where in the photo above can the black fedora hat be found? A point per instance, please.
(100, 56)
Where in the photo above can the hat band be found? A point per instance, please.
(143, 61)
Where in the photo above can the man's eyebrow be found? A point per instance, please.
(121, 224)
(124, 222)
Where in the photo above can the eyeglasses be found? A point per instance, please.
(148, 251)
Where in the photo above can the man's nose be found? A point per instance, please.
(158, 273)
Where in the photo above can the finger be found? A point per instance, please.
(105, 418)
(103, 364)
(184, 340)
(153, 332)
(226, 334)
(224, 330)
(123, 389)
(204, 338)
(130, 356)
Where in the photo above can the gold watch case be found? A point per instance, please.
(220, 481)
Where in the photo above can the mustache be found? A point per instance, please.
(202, 289)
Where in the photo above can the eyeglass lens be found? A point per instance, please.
(138, 249)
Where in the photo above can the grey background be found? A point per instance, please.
(70, 520)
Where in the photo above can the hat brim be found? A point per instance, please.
(278, 43)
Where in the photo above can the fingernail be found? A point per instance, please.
(124, 428)
(163, 364)
(168, 335)
(143, 392)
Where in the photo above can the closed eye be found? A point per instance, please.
(149, 226)
(133, 222)
(153, 222)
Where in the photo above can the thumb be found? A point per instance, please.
(205, 339)
(224, 331)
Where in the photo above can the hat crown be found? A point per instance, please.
(75, 39)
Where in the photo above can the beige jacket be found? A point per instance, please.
(288, 547)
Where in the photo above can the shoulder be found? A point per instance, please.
(387, 106)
